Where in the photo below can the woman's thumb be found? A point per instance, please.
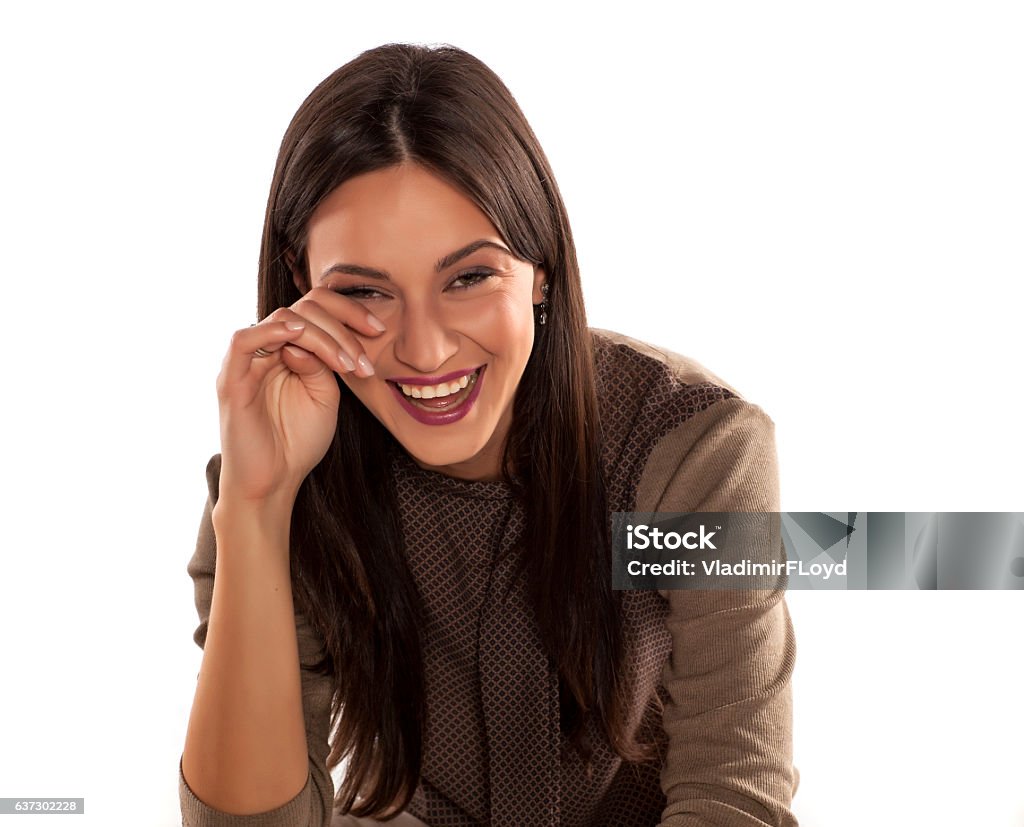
(301, 361)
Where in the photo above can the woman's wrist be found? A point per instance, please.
(271, 514)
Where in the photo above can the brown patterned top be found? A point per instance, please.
(676, 438)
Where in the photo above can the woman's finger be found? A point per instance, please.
(341, 335)
(346, 310)
(300, 361)
(336, 346)
(309, 326)
(269, 334)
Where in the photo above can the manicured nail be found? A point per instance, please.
(373, 321)
(346, 360)
(365, 363)
(295, 325)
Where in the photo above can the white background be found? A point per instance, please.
(822, 202)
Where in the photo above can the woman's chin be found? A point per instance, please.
(460, 464)
(440, 460)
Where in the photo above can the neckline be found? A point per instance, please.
(405, 466)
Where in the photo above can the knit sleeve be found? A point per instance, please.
(313, 805)
(729, 718)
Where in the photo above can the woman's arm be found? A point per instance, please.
(729, 721)
(256, 746)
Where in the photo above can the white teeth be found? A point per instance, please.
(431, 391)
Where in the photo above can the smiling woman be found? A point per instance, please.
(404, 563)
(454, 311)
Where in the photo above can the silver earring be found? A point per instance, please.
(543, 304)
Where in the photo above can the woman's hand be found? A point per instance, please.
(278, 413)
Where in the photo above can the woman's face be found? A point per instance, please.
(378, 238)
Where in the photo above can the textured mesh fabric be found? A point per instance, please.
(493, 744)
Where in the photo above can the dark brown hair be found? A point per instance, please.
(445, 110)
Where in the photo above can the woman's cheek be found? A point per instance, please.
(501, 312)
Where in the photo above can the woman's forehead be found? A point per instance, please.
(394, 214)
(405, 197)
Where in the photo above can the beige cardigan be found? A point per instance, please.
(675, 438)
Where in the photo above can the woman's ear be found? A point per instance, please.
(298, 277)
(539, 278)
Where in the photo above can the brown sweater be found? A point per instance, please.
(676, 438)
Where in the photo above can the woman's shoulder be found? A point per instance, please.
(629, 359)
(659, 406)
(642, 383)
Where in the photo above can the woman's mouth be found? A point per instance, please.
(440, 404)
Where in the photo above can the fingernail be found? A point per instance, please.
(346, 360)
(373, 321)
(365, 363)
(295, 325)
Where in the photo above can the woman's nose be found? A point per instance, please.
(423, 338)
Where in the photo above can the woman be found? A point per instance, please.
(422, 445)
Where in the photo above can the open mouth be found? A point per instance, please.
(440, 397)
(440, 404)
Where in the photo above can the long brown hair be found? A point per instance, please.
(444, 109)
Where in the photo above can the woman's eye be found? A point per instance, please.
(472, 278)
(460, 282)
(359, 292)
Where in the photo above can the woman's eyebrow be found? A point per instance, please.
(440, 265)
